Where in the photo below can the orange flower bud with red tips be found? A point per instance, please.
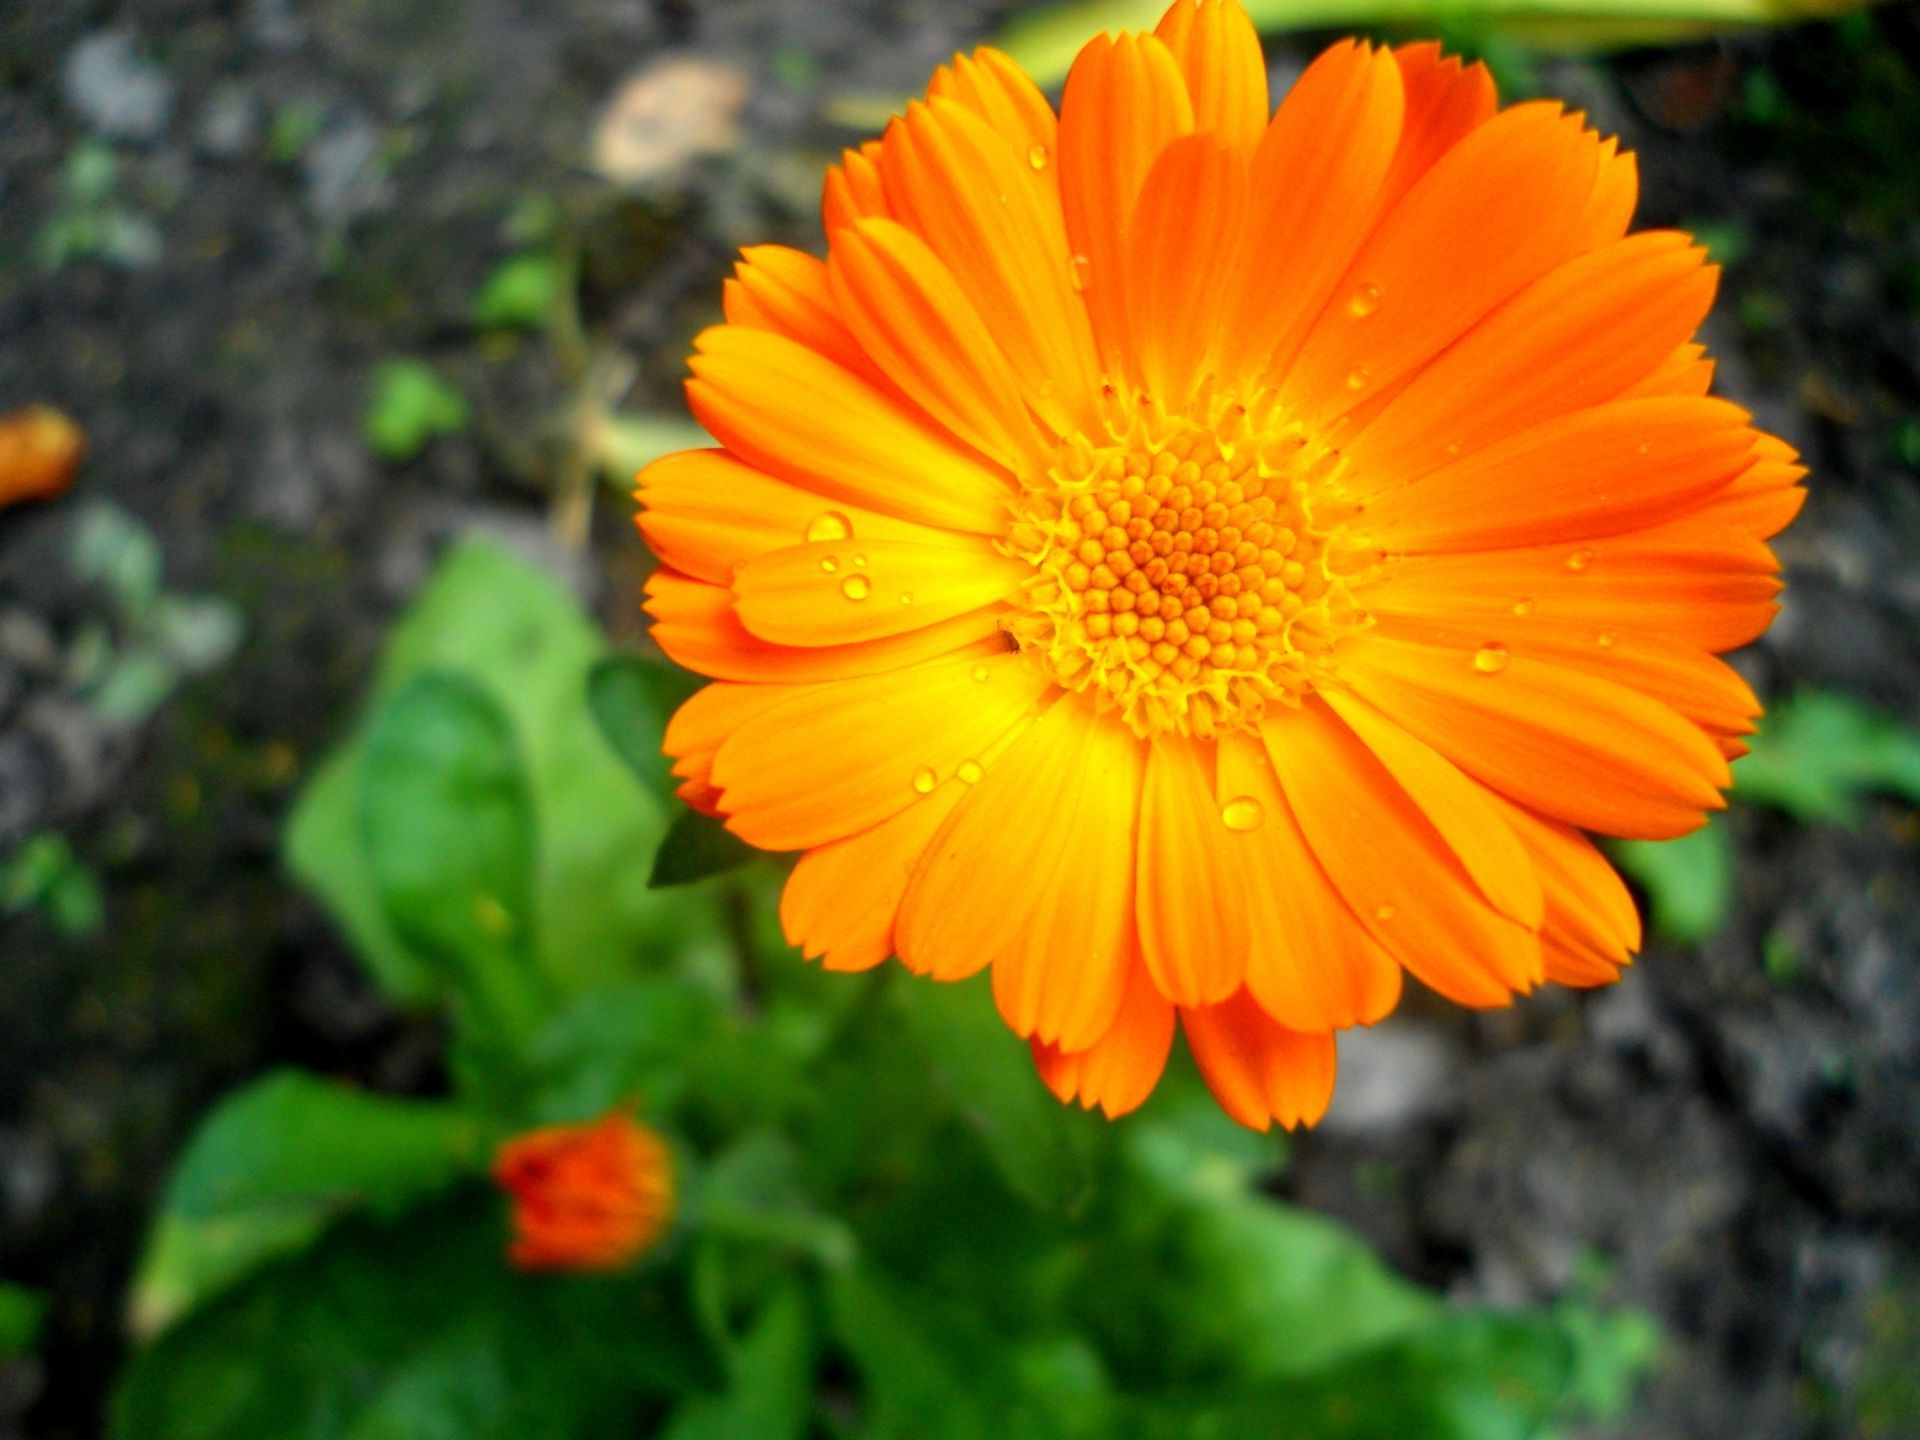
(591, 1196)
(39, 450)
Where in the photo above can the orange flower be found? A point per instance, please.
(39, 450)
(1201, 564)
(586, 1197)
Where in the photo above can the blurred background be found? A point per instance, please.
(352, 320)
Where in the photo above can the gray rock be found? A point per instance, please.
(1392, 1077)
(115, 90)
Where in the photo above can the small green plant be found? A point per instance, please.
(411, 405)
(92, 222)
(45, 875)
(519, 294)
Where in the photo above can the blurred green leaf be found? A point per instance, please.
(754, 1191)
(410, 405)
(632, 701)
(519, 294)
(448, 829)
(1043, 1148)
(44, 873)
(514, 631)
(1817, 752)
(1688, 881)
(769, 1393)
(274, 1165)
(113, 549)
(22, 1309)
(697, 847)
(198, 633)
(619, 1044)
(417, 1330)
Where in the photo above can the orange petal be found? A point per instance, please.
(1590, 916)
(1119, 1070)
(854, 190)
(785, 291)
(1311, 965)
(1596, 472)
(839, 592)
(705, 512)
(702, 725)
(1218, 52)
(1393, 867)
(1034, 872)
(999, 92)
(1576, 337)
(1444, 100)
(793, 413)
(996, 223)
(859, 751)
(1494, 214)
(1765, 497)
(1260, 1072)
(1191, 899)
(695, 624)
(910, 315)
(842, 899)
(1190, 214)
(1314, 195)
(1566, 743)
(1687, 371)
(1124, 103)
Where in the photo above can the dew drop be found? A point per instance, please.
(1364, 301)
(924, 779)
(1579, 560)
(906, 597)
(1357, 378)
(1605, 639)
(1037, 157)
(1385, 912)
(1642, 448)
(1453, 447)
(859, 562)
(1491, 658)
(1242, 813)
(1077, 270)
(830, 525)
(856, 587)
(969, 772)
(1523, 607)
(980, 673)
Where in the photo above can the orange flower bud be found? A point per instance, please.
(39, 450)
(590, 1196)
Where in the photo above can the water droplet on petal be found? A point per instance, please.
(1364, 302)
(831, 525)
(906, 597)
(1386, 912)
(980, 672)
(924, 779)
(1642, 448)
(1579, 560)
(1523, 607)
(1605, 639)
(1037, 157)
(1242, 813)
(859, 562)
(1453, 447)
(970, 772)
(1491, 659)
(1078, 269)
(856, 587)
(1358, 377)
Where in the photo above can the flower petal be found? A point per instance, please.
(702, 725)
(1260, 1072)
(1444, 100)
(1218, 52)
(793, 413)
(785, 291)
(838, 593)
(855, 752)
(1191, 897)
(1589, 914)
(999, 92)
(854, 190)
(1119, 1070)
(1190, 214)
(1034, 871)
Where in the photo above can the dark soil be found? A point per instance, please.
(1733, 1146)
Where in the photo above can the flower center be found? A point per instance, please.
(1189, 569)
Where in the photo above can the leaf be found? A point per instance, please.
(448, 829)
(45, 873)
(632, 700)
(697, 847)
(417, 1330)
(275, 1164)
(770, 1393)
(1817, 752)
(1042, 1148)
(519, 294)
(618, 1044)
(1688, 881)
(113, 549)
(197, 633)
(22, 1309)
(409, 406)
(514, 631)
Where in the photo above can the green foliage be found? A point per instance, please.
(90, 221)
(409, 406)
(886, 1228)
(45, 875)
(21, 1311)
(1689, 882)
(520, 293)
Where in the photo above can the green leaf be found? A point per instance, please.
(618, 1044)
(1688, 881)
(113, 549)
(417, 1330)
(22, 1309)
(626, 444)
(514, 631)
(409, 406)
(273, 1166)
(1817, 752)
(448, 828)
(770, 1391)
(697, 847)
(1042, 1148)
(632, 700)
(519, 294)
(45, 873)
